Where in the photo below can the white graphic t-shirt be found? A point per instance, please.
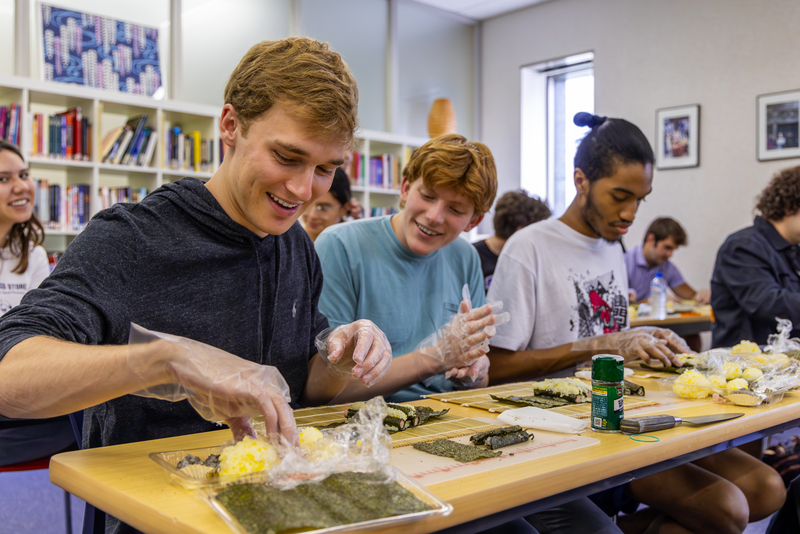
(13, 285)
(559, 286)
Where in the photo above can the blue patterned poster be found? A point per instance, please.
(100, 52)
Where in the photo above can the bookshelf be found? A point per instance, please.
(106, 110)
(370, 186)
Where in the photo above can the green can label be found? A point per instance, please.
(607, 410)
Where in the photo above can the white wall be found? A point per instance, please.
(720, 54)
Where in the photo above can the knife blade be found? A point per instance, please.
(653, 423)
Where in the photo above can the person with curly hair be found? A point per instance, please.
(514, 210)
(757, 273)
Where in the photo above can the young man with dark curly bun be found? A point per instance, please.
(757, 274)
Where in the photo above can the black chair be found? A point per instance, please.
(94, 520)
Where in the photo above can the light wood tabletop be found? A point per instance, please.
(672, 320)
(124, 482)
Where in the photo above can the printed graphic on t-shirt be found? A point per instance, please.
(602, 305)
(11, 293)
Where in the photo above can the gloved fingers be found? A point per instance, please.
(658, 350)
(336, 343)
(675, 342)
(377, 372)
(480, 337)
(364, 339)
(473, 326)
(466, 300)
(240, 427)
(479, 369)
(375, 364)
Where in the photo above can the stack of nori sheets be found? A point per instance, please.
(340, 499)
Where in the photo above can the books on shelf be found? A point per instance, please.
(9, 123)
(62, 207)
(113, 195)
(356, 168)
(187, 151)
(65, 135)
(384, 171)
(131, 144)
(378, 212)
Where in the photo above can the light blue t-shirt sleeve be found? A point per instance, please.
(338, 301)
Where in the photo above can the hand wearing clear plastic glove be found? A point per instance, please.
(219, 385)
(647, 343)
(473, 376)
(359, 349)
(464, 338)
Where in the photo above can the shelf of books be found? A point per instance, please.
(375, 170)
(89, 149)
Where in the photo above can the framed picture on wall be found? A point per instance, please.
(87, 49)
(777, 126)
(678, 137)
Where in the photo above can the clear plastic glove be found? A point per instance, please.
(471, 376)
(371, 352)
(219, 385)
(465, 337)
(647, 343)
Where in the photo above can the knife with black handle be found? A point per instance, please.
(653, 423)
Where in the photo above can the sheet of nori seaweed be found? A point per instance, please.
(426, 412)
(340, 499)
(455, 450)
(540, 401)
(480, 437)
(504, 440)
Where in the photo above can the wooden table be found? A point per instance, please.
(123, 481)
(681, 324)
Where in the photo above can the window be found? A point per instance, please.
(552, 93)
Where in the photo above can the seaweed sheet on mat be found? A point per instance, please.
(457, 451)
(483, 398)
(340, 499)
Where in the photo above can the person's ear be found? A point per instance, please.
(229, 125)
(582, 183)
(474, 221)
(650, 239)
(405, 187)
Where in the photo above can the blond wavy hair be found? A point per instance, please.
(450, 161)
(305, 74)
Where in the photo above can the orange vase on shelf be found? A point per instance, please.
(441, 118)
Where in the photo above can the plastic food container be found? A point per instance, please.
(438, 507)
(197, 477)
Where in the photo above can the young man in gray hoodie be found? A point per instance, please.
(222, 264)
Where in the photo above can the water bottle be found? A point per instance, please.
(658, 297)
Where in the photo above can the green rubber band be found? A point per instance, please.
(650, 439)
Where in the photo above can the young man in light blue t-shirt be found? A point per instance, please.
(407, 273)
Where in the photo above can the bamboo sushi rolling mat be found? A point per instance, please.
(446, 426)
(481, 398)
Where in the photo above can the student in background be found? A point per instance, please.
(329, 209)
(662, 239)
(23, 266)
(564, 283)
(405, 272)
(756, 276)
(513, 211)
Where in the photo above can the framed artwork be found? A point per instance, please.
(96, 51)
(777, 126)
(678, 137)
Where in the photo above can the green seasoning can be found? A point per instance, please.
(607, 377)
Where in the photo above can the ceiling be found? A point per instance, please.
(480, 9)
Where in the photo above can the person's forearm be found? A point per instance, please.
(685, 291)
(405, 371)
(508, 366)
(44, 377)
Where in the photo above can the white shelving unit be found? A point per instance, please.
(107, 110)
(375, 143)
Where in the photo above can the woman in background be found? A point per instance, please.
(23, 266)
(329, 209)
